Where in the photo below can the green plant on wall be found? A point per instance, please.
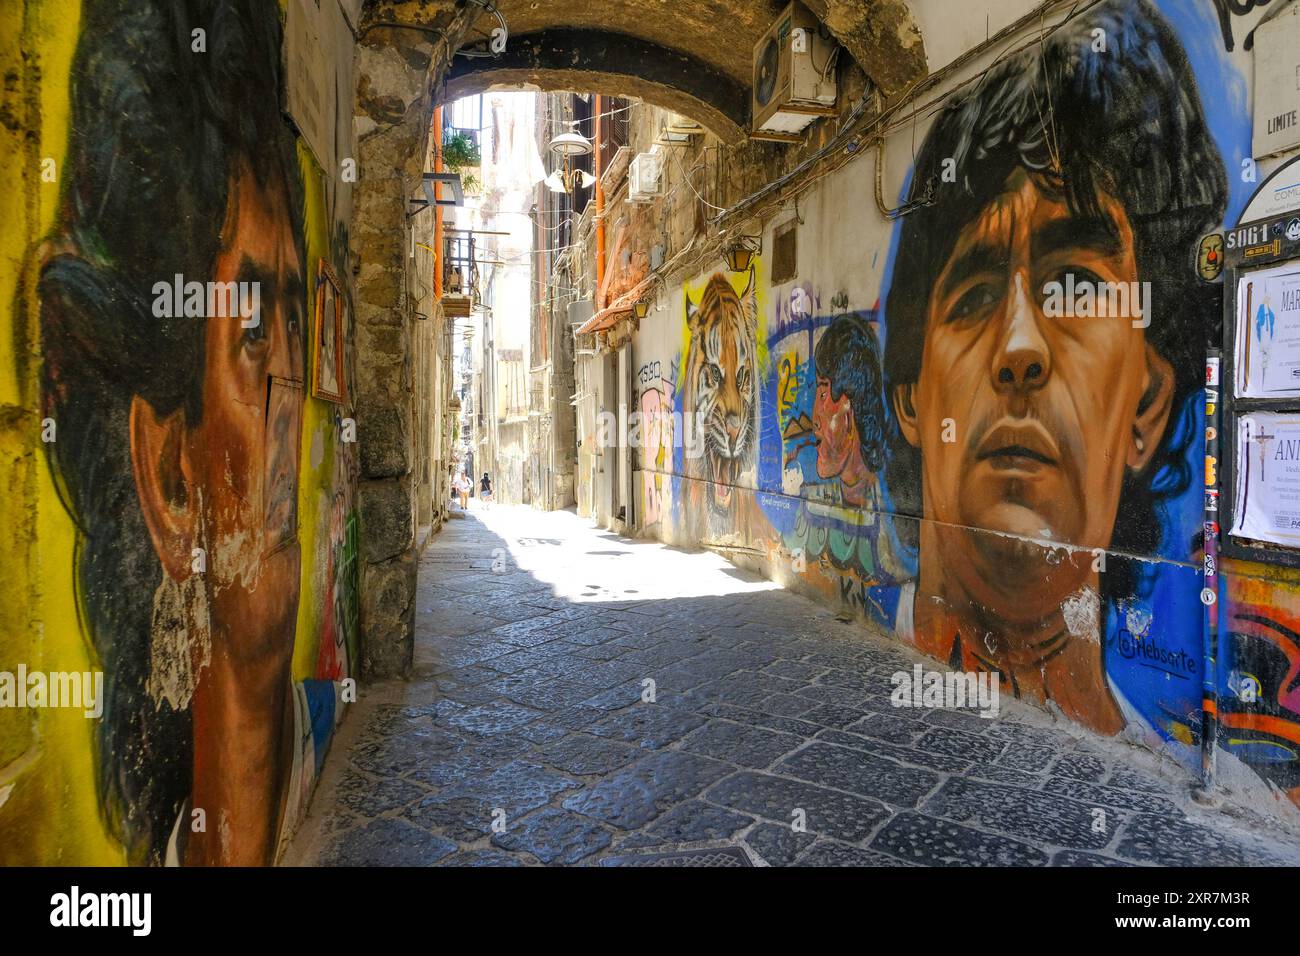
(459, 150)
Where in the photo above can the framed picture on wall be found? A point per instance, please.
(283, 440)
(1268, 332)
(327, 366)
(1257, 397)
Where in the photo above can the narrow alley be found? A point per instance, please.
(537, 635)
(649, 434)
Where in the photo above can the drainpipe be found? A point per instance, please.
(600, 200)
(437, 210)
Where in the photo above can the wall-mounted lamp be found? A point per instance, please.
(555, 181)
(562, 181)
(571, 142)
(641, 308)
(740, 253)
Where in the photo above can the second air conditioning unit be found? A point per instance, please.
(644, 177)
(794, 75)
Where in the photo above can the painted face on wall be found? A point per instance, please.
(228, 484)
(253, 407)
(719, 383)
(1048, 410)
(834, 430)
(651, 424)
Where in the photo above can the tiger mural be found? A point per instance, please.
(720, 397)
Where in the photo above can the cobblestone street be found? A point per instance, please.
(537, 636)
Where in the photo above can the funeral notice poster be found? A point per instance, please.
(1268, 333)
(1268, 478)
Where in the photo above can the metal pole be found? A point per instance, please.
(1210, 586)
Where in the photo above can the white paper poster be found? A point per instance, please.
(320, 88)
(1268, 333)
(307, 97)
(1268, 478)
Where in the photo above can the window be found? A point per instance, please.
(613, 130)
(785, 252)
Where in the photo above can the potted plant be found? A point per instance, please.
(459, 150)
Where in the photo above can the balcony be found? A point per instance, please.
(459, 276)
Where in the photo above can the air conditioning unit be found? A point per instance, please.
(644, 179)
(794, 76)
(678, 133)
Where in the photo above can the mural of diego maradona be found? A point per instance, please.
(1065, 427)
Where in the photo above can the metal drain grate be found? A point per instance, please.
(726, 856)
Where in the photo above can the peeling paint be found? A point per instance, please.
(1082, 612)
(180, 641)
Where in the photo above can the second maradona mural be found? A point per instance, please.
(990, 440)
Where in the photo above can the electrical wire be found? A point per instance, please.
(830, 63)
(686, 178)
(555, 121)
(489, 7)
(532, 252)
(558, 225)
(845, 145)
(518, 212)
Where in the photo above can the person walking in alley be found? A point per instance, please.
(485, 489)
(462, 486)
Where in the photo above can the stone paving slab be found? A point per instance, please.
(616, 702)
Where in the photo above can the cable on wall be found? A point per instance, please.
(847, 143)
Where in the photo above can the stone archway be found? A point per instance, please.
(615, 64)
(396, 70)
(690, 56)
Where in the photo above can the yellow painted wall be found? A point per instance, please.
(49, 806)
(46, 756)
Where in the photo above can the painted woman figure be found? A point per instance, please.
(844, 524)
(178, 447)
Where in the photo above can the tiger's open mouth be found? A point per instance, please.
(724, 472)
